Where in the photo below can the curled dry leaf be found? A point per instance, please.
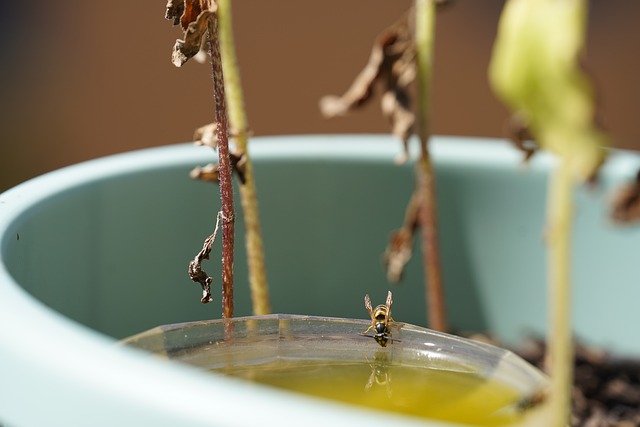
(193, 17)
(397, 254)
(174, 11)
(208, 173)
(392, 66)
(211, 172)
(185, 49)
(626, 203)
(196, 273)
(400, 246)
(207, 136)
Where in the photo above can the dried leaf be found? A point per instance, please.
(400, 247)
(196, 273)
(392, 65)
(192, 9)
(397, 109)
(175, 9)
(398, 253)
(207, 136)
(626, 203)
(211, 172)
(360, 91)
(208, 173)
(184, 12)
(193, 16)
(185, 49)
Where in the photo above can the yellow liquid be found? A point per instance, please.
(427, 393)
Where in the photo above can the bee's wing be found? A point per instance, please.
(367, 304)
(389, 302)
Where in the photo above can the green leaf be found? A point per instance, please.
(535, 70)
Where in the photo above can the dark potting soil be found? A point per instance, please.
(606, 390)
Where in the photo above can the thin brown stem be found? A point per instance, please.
(248, 195)
(226, 184)
(426, 186)
(428, 219)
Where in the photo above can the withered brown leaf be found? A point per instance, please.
(196, 273)
(184, 12)
(211, 172)
(193, 16)
(206, 135)
(400, 247)
(626, 203)
(391, 65)
(397, 254)
(174, 11)
(207, 173)
(192, 9)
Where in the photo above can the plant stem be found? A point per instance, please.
(226, 184)
(248, 196)
(560, 357)
(426, 186)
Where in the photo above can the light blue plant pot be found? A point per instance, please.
(99, 251)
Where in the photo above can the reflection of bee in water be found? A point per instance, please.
(380, 375)
(380, 320)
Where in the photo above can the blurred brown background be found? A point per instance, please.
(85, 79)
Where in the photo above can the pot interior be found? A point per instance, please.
(107, 243)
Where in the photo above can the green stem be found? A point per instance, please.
(426, 185)
(248, 196)
(560, 357)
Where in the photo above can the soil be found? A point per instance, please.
(606, 390)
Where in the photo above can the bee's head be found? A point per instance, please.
(381, 328)
(381, 339)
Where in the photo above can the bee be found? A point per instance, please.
(380, 320)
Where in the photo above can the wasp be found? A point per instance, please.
(380, 320)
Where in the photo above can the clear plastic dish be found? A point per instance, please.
(419, 373)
